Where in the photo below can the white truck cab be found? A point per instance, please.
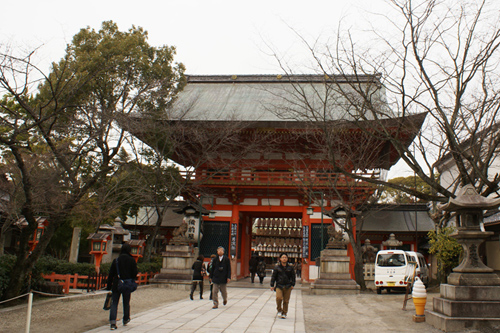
(422, 270)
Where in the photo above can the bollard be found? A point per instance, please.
(28, 317)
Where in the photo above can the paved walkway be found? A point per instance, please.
(249, 309)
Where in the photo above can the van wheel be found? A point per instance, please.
(379, 291)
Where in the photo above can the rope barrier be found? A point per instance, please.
(11, 299)
(47, 294)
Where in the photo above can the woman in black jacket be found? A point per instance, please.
(128, 270)
(284, 277)
(199, 271)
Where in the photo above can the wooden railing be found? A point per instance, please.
(75, 281)
(284, 178)
(369, 271)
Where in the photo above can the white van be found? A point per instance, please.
(422, 270)
(391, 266)
(390, 269)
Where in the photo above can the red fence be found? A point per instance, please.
(75, 281)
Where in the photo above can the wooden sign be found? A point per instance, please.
(409, 279)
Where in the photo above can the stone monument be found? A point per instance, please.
(176, 272)
(471, 298)
(334, 276)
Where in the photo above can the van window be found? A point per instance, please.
(391, 260)
(422, 262)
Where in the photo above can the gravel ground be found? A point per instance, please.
(365, 312)
(83, 313)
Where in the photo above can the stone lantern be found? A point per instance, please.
(471, 299)
(137, 248)
(392, 243)
(99, 242)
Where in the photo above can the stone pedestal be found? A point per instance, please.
(176, 272)
(334, 277)
(471, 299)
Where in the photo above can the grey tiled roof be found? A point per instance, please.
(395, 220)
(267, 98)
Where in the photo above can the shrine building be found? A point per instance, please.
(261, 152)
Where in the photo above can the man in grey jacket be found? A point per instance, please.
(221, 274)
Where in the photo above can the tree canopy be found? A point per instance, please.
(59, 135)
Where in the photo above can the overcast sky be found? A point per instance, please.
(212, 37)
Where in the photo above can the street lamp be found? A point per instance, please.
(211, 215)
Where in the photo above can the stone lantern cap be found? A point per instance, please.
(136, 242)
(189, 206)
(98, 236)
(468, 198)
(392, 241)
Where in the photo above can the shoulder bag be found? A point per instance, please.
(125, 285)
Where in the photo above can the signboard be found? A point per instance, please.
(305, 242)
(234, 235)
(192, 232)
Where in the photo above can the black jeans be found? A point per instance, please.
(114, 307)
(193, 287)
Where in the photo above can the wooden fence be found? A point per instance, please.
(369, 272)
(89, 282)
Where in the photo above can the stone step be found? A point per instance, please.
(461, 324)
(474, 309)
(470, 293)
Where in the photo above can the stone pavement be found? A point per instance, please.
(249, 309)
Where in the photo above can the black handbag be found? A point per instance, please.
(107, 302)
(125, 285)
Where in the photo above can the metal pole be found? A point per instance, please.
(28, 317)
(321, 222)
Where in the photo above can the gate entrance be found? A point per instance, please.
(272, 236)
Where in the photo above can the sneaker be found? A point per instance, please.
(279, 314)
(125, 322)
(283, 316)
(215, 307)
(113, 327)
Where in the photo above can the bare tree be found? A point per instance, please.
(439, 60)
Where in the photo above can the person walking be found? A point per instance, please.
(284, 277)
(298, 268)
(126, 268)
(261, 270)
(221, 274)
(252, 265)
(209, 270)
(199, 271)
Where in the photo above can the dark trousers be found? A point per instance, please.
(114, 307)
(211, 289)
(193, 287)
(261, 279)
(252, 276)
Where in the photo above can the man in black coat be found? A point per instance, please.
(221, 274)
(284, 277)
(128, 270)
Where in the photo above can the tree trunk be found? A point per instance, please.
(359, 275)
(2, 244)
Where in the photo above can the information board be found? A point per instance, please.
(305, 242)
(234, 235)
